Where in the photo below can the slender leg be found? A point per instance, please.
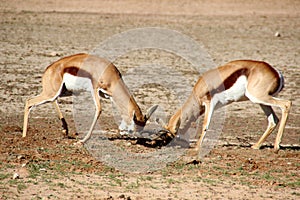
(97, 114)
(26, 115)
(61, 117)
(285, 106)
(35, 101)
(209, 109)
(272, 122)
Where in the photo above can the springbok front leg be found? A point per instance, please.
(209, 109)
(96, 99)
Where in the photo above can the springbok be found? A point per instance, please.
(235, 81)
(96, 75)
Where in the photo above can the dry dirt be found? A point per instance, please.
(34, 34)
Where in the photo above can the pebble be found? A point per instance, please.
(128, 144)
(20, 157)
(43, 170)
(16, 176)
(54, 54)
(277, 34)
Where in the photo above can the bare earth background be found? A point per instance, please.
(35, 33)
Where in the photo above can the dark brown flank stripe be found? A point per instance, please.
(229, 81)
(75, 71)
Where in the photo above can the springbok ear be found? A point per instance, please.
(150, 111)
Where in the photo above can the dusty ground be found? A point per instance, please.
(32, 35)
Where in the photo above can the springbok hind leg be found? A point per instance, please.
(285, 106)
(35, 101)
(272, 122)
(61, 117)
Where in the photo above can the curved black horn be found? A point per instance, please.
(150, 111)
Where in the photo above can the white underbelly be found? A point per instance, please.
(235, 93)
(76, 83)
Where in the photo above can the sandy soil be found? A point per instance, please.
(32, 35)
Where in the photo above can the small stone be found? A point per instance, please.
(128, 144)
(20, 157)
(277, 34)
(16, 176)
(43, 170)
(54, 54)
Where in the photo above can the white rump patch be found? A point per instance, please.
(281, 84)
